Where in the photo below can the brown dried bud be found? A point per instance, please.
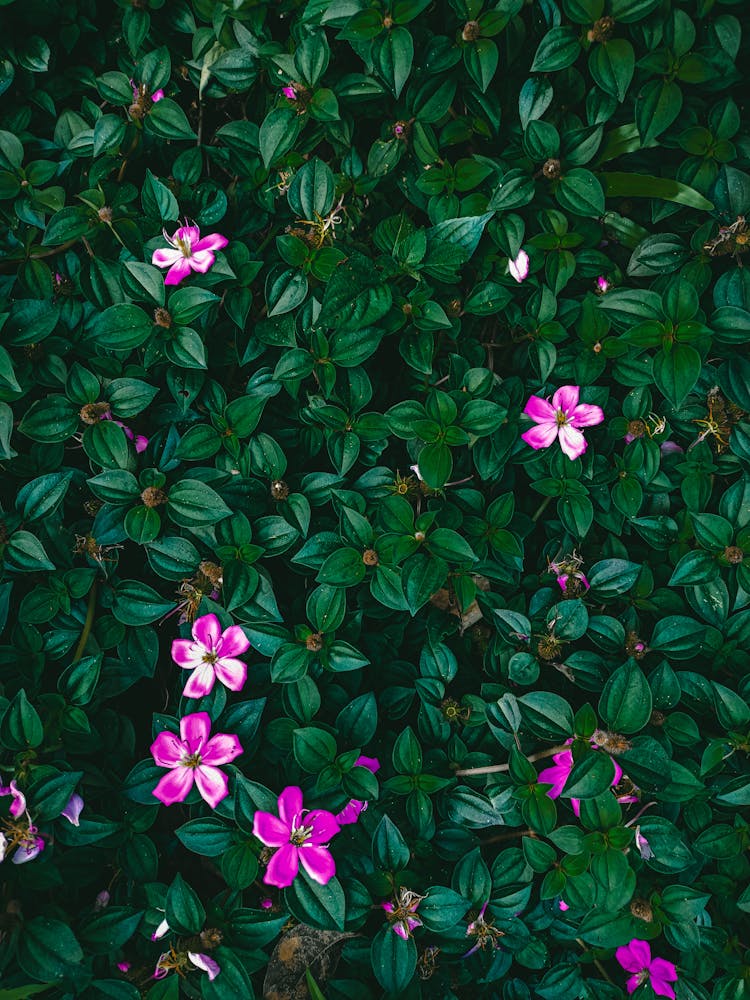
(152, 496)
(370, 557)
(734, 554)
(388, 22)
(162, 318)
(137, 110)
(419, 536)
(314, 642)
(634, 646)
(548, 647)
(406, 309)
(551, 169)
(211, 571)
(279, 490)
(105, 214)
(471, 32)
(641, 909)
(211, 937)
(657, 718)
(636, 428)
(92, 506)
(92, 413)
(597, 348)
(611, 742)
(34, 352)
(453, 309)
(601, 30)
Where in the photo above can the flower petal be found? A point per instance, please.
(324, 826)
(540, 411)
(27, 852)
(187, 654)
(174, 786)
(231, 673)
(541, 436)
(72, 810)
(566, 398)
(290, 804)
(350, 813)
(572, 442)
(195, 729)
(160, 931)
(165, 256)
(207, 631)
(212, 783)
(371, 763)
(519, 268)
(270, 830)
(400, 928)
(318, 863)
(634, 957)
(213, 242)
(233, 642)
(167, 749)
(188, 234)
(178, 271)
(221, 749)
(633, 983)
(587, 415)
(283, 867)
(208, 965)
(663, 970)
(200, 682)
(141, 443)
(555, 776)
(202, 261)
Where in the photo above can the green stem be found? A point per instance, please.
(541, 509)
(494, 768)
(87, 625)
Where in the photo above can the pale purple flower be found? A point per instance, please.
(194, 758)
(72, 810)
(290, 92)
(670, 448)
(519, 268)
(350, 812)
(642, 845)
(402, 914)
(18, 804)
(102, 900)
(561, 419)
(211, 654)
(602, 285)
(205, 963)
(29, 848)
(187, 252)
(300, 835)
(658, 972)
(558, 774)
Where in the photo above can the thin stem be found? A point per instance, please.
(541, 509)
(52, 252)
(494, 768)
(510, 835)
(640, 813)
(88, 624)
(596, 961)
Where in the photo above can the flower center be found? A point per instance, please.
(191, 760)
(184, 246)
(299, 834)
(211, 657)
(561, 418)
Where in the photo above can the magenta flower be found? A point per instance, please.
(563, 905)
(18, 803)
(519, 268)
(562, 419)
(350, 812)
(558, 774)
(562, 580)
(188, 252)
(299, 835)
(290, 92)
(636, 958)
(157, 95)
(266, 904)
(124, 966)
(211, 654)
(402, 914)
(602, 285)
(194, 758)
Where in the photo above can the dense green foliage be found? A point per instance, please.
(375, 167)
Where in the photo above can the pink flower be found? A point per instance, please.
(562, 580)
(519, 268)
(18, 803)
(188, 253)
(636, 958)
(266, 904)
(157, 95)
(642, 845)
(402, 914)
(102, 900)
(72, 810)
(300, 835)
(289, 92)
(205, 963)
(124, 966)
(194, 758)
(210, 655)
(558, 774)
(562, 419)
(602, 285)
(563, 905)
(350, 812)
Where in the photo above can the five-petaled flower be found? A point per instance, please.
(402, 913)
(299, 835)
(562, 419)
(558, 774)
(187, 252)
(350, 812)
(658, 972)
(212, 654)
(193, 758)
